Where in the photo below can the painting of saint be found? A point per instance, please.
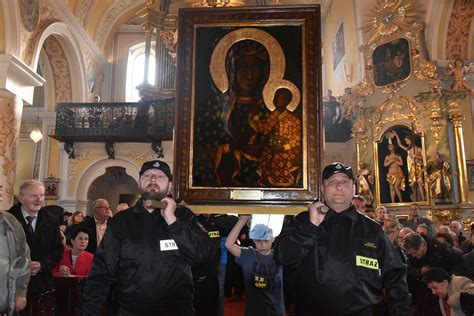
(247, 123)
(401, 165)
(391, 62)
(338, 49)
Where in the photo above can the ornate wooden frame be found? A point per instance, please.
(289, 34)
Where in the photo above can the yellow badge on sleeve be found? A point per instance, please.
(366, 262)
(214, 234)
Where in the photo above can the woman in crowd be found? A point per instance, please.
(76, 218)
(76, 261)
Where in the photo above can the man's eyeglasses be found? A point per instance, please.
(104, 206)
(342, 183)
(154, 177)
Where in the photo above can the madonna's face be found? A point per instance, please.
(249, 74)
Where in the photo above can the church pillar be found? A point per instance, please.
(17, 81)
(457, 119)
(11, 108)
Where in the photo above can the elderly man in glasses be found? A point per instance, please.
(98, 223)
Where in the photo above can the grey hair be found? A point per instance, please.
(28, 183)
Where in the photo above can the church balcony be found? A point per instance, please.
(146, 121)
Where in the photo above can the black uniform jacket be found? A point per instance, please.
(90, 225)
(341, 266)
(149, 262)
(438, 254)
(45, 247)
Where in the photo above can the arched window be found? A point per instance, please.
(136, 69)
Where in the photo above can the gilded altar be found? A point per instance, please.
(408, 127)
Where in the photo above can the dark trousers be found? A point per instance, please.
(206, 292)
(40, 304)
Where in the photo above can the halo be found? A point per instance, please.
(270, 89)
(277, 65)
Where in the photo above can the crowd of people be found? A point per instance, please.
(335, 258)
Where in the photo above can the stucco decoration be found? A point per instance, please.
(115, 11)
(84, 7)
(29, 41)
(8, 129)
(60, 69)
(141, 157)
(73, 164)
(458, 30)
(29, 10)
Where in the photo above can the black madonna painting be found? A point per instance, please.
(248, 106)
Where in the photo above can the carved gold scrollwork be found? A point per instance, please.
(366, 87)
(359, 130)
(436, 114)
(393, 88)
(395, 109)
(445, 216)
(422, 69)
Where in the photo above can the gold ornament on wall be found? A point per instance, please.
(445, 216)
(389, 17)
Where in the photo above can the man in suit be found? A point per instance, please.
(416, 219)
(98, 223)
(44, 239)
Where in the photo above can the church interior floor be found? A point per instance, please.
(236, 307)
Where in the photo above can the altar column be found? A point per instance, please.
(457, 119)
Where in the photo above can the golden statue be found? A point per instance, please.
(365, 181)
(416, 174)
(438, 177)
(457, 70)
(395, 176)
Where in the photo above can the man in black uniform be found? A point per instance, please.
(342, 259)
(209, 278)
(148, 254)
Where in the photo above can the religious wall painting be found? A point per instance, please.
(400, 167)
(470, 173)
(250, 98)
(51, 188)
(338, 49)
(29, 10)
(391, 62)
(335, 129)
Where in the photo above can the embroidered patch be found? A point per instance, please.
(168, 244)
(369, 263)
(214, 234)
(259, 282)
(370, 244)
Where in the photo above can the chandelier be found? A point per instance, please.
(36, 134)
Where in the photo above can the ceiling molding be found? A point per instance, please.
(68, 17)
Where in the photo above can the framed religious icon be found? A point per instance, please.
(51, 188)
(400, 167)
(248, 105)
(392, 62)
(470, 173)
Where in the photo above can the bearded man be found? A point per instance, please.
(148, 253)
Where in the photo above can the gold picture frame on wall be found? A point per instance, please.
(241, 73)
(400, 161)
(51, 188)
